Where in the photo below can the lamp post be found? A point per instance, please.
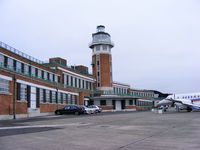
(57, 97)
(14, 97)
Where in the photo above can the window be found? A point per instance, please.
(10, 63)
(86, 84)
(32, 71)
(51, 77)
(69, 99)
(22, 67)
(42, 74)
(18, 66)
(56, 78)
(25, 69)
(75, 99)
(53, 97)
(130, 102)
(4, 86)
(59, 97)
(67, 78)
(44, 96)
(39, 73)
(5, 61)
(72, 81)
(47, 96)
(103, 102)
(41, 95)
(37, 97)
(45, 75)
(98, 48)
(104, 47)
(36, 72)
(75, 82)
(29, 70)
(21, 92)
(79, 82)
(83, 85)
(72, 99)
(64, 99)
(1, 60)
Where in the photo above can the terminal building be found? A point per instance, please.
(30, 87)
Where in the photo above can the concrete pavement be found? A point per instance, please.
(106, 131)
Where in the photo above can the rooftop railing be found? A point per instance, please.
(100, 42)
(11, 49)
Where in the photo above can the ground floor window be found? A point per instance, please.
(21, 92)
(130, 102)
(103, 102)
(4, 86)
(53, 96)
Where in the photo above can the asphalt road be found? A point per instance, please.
(106, 131)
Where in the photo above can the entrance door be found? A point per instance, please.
(33, 98)
(86, 101)
(118, 105)
(123, 104)
(113, 103)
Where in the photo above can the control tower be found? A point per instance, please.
(102, 59)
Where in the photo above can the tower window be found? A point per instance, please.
(98, 47)
(104, 47)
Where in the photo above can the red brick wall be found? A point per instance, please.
(107, 107)
(21, 108)
(105, 59)
(130, 107)
(81, 97)
(105, 70)
(5, 104)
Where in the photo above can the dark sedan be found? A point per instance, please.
(72, 109)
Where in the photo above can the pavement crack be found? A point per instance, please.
(132, 143)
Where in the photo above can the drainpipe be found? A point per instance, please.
(14, 97)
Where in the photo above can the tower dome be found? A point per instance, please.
(101, 37)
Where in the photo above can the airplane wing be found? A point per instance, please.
(186, 102)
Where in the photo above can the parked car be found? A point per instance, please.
(89, 110)
(72, 109)
(97, 109)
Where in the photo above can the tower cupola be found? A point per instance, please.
(101, 58)
(101, 37)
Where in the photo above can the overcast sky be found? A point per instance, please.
(157, 42)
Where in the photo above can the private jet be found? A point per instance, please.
(179, 104)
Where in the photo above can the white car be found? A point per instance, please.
(89, 110)
(97, 109)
